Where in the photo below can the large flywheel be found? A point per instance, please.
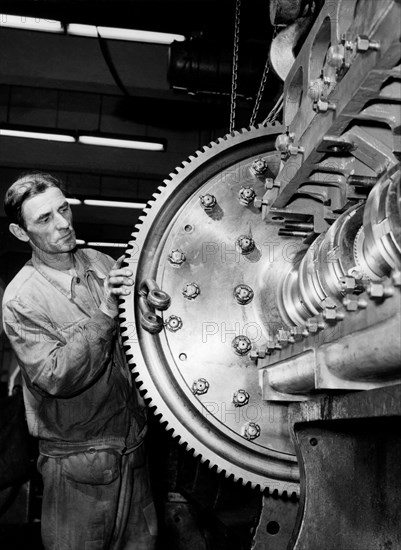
(204, 266)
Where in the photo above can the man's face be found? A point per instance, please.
(48, 222)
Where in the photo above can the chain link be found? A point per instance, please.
(260, 92)
(234, 75)
(262, 87)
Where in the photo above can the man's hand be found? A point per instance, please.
(116, 284)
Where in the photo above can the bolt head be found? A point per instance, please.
(315, 89)
(312, 325)
(251, 430)
(362, 43)
(396, 277)
(242, 345)
(208, 202)
(259, 166)
(246, 195)
(173, 323)
(243, 294)
(176, 257)
(257, 202)
(200, 386)
(240, 398)
(375, 290)
(191, 291)
(282, 143)
(335, 56)
(246, 244)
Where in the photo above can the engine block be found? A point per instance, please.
(268, 266)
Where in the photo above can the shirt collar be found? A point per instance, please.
(84, 262)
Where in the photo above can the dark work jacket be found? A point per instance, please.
(78, 389)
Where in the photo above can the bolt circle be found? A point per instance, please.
(200, 386)
(240, 398)
(246, 244)
(176, 257)
(242, 345)
(191, 291)
(173, 323)
(251, 430)
(243, 294)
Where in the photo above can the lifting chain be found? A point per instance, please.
(260, 92)
(234, 76)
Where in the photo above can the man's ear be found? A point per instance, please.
(18, 232)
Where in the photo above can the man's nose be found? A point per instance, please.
(62, 222)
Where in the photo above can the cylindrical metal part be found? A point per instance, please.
(366, 355)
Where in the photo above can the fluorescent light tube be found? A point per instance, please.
(77, 29)
(131, 35)
(80, 242)
(124, 143)
(74, 201)
(115, 204)
(109, 245)
(30, 23)
(139, 36)
(37, 135)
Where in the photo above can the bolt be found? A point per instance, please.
(396, 277)
(322, 106)
(191, 291)
(251, 430)
(349, 304)
(200, 386)
(282, 143)
(330, 314)
(243, 294)
(378, 290)
(246, 195)
(363, 44)
(316, 88)
(347, 284)
(259, 166)
(362, 303)
(240, 398)
(208, 202)
(295, 149)
(246, 244)
(241, 344)
(176, 257)
(257, 202)
(356, 273)
(335, 56)
(283, 336)
(329, 303)
(173, 323)
(312, 325)
(296, 333)
(270, 347)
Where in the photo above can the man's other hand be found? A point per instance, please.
(117, 283)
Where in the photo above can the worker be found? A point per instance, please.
(60, 315)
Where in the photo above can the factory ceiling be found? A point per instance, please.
(179, 94)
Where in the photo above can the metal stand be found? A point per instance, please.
(349, 451)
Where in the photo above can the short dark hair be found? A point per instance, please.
(25, 187)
